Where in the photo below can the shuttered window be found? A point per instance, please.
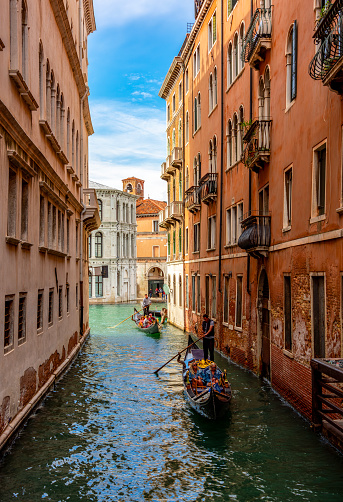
(294, 61)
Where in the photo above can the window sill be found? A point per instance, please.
(56, 253)
(50, 324)
(237, 328)
(210, 249)
(226, 324)
(13, 241)
(21, 341)
(289, 106)
(288, 353)
(213, 109)
(26, 245)
(8, 349)
(286, 229)
(23, 89)
(39, 331)
(194, 133)
(339, 210)
(195, 252)
(316, 219)
(235, 79)
(233, 165)
(228, 246)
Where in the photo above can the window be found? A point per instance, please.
(198, 295)
(196, 114)
(9, 322)
(168, 113)
(186, 81)
(60, 302)
(287, 215)
(193, 293)
(77, 239)
(174, 243)
(24, 209)
(207, 294)
(196, 61)
(318, 315)
(233, 224)
(186, 241)
(24, 41)
(234, 143)
(187, 292)
(230, 5)
(196, 243)
(226, 299)
(98, 286)
(229, 144)
(215, 85)
(179, 134)
(240, 48)
(22, 318)
(287, 312)
(77, 296)
(263, 200)
(180, 241)
(235, 56)
(187, 127)
(90, 286)
(214, 297)
(174, 103)
(118, 284)
(291, 64)
(173, 139)
(51, 307)
(12, 203)
(100, 208)
(156, 251)
(90, 246)
(210, 93)
(239, 304)
(155, 226)
(68, 298)
(40, 306)
(168, 244)
(229, 65)
(98, 245)
(319, 181)
(174, 289)
(211, 233)
(180, 92)
(68, 236)
(180, 291)
(199, 111)
(212, 31)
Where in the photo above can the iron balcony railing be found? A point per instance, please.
(255, 231)
(330, 36)
(208, 186)
(257, 143)
(260, 27)
(327, 19)
(176, 209)
(192, 197)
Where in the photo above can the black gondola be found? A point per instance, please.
(205, 400)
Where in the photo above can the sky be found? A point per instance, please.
(129, 55)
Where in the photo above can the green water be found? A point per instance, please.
(113, 431)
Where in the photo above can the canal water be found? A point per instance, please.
(114, 431)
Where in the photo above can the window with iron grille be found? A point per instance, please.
(51, 307)
(22, 318)
(40, 310)
(9, 322)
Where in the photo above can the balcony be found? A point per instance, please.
(170, 169)
(208, 187)
(257, 145)
(327, 64)
(165, 219)
(258, 38)
(91, 217)
(176, 157)
(176, 210)
(255, 236)
(192, 199)
(164, 175)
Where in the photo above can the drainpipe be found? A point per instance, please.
(83, 210)
(221, 146)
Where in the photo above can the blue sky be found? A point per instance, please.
(129, 56)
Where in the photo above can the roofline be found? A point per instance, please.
(171, 77)
(89, 16)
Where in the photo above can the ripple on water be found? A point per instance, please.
(114, 431)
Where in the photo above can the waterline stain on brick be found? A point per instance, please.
(28, 386)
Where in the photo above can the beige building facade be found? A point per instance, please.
(47, 210)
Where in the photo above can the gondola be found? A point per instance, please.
(205, 400)
(153, 329)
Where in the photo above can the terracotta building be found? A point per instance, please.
(263, 194)
(47, 210)
(151, 243)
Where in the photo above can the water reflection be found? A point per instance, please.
(114, 431)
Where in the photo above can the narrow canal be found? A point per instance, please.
(113, 431)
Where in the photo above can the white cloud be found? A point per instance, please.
(118, 13)
(128, 141)
(142, 94)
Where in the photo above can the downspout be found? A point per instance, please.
(221, 146)
(83, 210)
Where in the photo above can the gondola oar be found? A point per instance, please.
(179, 353)
(112, 327)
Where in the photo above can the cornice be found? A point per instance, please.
(88, 10)
(171, 77)
(195, 30)
(87, 117)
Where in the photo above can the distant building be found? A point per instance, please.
(112, 248)
(151, 241)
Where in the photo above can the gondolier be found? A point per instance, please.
(146, 304)
(208, 340)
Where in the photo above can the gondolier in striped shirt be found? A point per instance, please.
(208, 340)
(146, 304)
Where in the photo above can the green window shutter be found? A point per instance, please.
(214, 27)
(174, 243)
(180, 240)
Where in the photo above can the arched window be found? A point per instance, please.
(132, 246)
(210, 93)
(210, 149)
(187, 127)
(62, 112)
(118, 246)
(187, 178)
(229, 143)
(173, 138)
(129, 188)
(291, 64)
(174, 289)
(58, 112)
(68, 134)
(169, 285)
(240, 131)
(195, 172)
(234, 139)
(180, 134)
(24, 40)
(214, 155)
(266, 107)
(240, 47)
(132, 215)
(90, 289)
(180, 186)
(100, 208)
(199, 166)
(77, 159)
(139, 189)
(73, 146)
(199, 110)
(118, 283)
(48, 92)
(229, 65)
(195, 114)
(235, 56)
(90, 246)
(41, 81)
(215, 86)
(53, 102)
(180, 291)
(98, 245)
(118, 210)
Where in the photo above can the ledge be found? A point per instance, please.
(26, 245)
(287, 353)
(42, 249)
(23, 89)
(339, 210)
(55, 252)
(19, 162)
(70, 170)
(233, 165)
(286, 229)
(316, 219)
(12, 240)
(44, 187)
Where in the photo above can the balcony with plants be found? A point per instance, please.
(256, 140)
(192, 199)
(209, 188)
(327, 64)
(258, 39)
(255, 237)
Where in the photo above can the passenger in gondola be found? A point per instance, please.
(195, 375)
(146, 322)
(213, 377)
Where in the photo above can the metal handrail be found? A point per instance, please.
(260, 27)
(256, 230)
(330, 50)
(257, 139)
(192, 196)
(208, 185)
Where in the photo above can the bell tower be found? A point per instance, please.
(135, 186)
